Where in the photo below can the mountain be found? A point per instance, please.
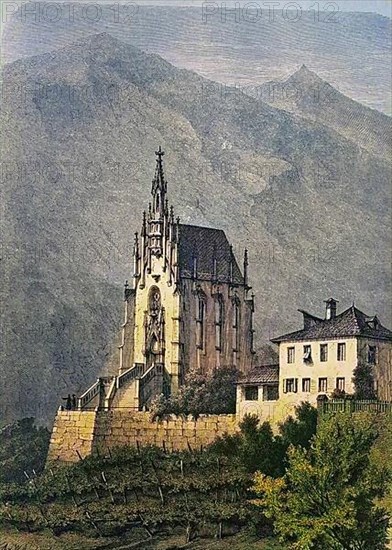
(242, 47)
(81, 125)
(308, 95)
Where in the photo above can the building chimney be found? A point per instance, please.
(330, 309)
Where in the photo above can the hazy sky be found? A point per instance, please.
(384, 7)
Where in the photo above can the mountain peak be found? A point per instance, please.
(304, 70)
(305, 76)
(99, 39)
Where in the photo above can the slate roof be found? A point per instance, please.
(351, 322)
(205, 244)
(265, 374)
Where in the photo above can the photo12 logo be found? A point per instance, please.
(269, 11)
(54, 12)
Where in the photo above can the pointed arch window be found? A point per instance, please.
(252, 335)
(200, 321)
(236, 325)
(219, 323)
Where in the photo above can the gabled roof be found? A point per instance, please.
(268, 374)
(351, 322)
(206, 245)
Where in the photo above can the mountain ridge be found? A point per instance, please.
(297, 194)
(350, 50)
(306, 94)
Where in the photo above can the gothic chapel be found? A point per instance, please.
(188, 307)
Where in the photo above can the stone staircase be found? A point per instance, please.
(133, 389)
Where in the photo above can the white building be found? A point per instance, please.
(320, 359)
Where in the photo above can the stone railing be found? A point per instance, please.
(89, 395)
(134, 372)
(151, 384)
(97, 389)
(110, 393)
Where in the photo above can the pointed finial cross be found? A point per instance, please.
(159, 153)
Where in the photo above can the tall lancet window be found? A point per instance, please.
(200, 321)
(219, 323)
(236, 326)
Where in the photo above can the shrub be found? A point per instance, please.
(23, 448)
(213, 393)
(363, 382)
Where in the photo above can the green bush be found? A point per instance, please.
(213, 393)
(256, 448)
(23, 450)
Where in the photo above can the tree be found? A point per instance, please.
(299, 431)
(327, 497)
(23, 448)
(363, 382)
(257, 448)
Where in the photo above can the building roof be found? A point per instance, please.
(351, 322)
(210, 250)
(264, 374)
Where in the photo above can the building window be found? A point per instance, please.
(194, 267)
(307, 354)
(322, 385)
(291, 355)
(290, 385)
(251, 333)
(323, 352)
(251, 393)
(340, 383)
(270, 393)
(236, 327)
(341, 351)
(218, 324)
(372, 350)
(306, 385)
(200, 322)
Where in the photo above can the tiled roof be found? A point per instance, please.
(261, 375)
(205, 244)
(351, 322)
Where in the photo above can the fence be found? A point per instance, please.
(353, 406)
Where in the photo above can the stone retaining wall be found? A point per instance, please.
(87, 431)
(73, 432)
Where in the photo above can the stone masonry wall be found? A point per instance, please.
(73, 433)
(119, 427)
(88, 431)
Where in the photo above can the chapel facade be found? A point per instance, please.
(189, 306)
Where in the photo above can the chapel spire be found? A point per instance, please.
(158, 209)
(159, 185)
